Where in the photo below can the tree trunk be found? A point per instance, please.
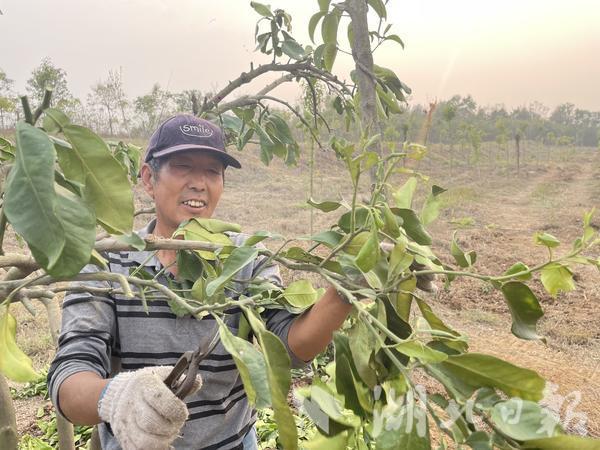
(8, 423)
(518, 142)
(66, 439)
(363, 61)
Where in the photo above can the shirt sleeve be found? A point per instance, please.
(87, 337)
(278, 321)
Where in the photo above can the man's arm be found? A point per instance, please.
(311, 332)
(78, 397)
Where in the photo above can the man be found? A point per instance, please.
(108, 365)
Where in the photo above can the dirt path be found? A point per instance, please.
(550, 199)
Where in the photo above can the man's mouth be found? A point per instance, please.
(195, 203)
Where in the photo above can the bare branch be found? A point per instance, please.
(269, 87)
(295, 69)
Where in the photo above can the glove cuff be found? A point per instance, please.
(111, 391)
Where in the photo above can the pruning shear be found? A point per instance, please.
(181, 379)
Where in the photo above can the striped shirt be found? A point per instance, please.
(107, 334)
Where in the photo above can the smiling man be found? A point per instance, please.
(113, 355)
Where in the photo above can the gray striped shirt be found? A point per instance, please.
(107, 334)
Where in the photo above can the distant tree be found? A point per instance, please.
(46, 75)
(110, 96)
(564, 114)
(519, 135)
(448, 114)
(7, 99)
(502, 136)
(152, 108)
(187, 101)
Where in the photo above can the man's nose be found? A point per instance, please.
(197, 180)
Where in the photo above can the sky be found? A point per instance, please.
(510, 52)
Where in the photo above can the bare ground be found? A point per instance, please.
(504, 208)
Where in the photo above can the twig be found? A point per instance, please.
(44, 105)
(2, 229)
(27, 110)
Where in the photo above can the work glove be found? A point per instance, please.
(142, 411)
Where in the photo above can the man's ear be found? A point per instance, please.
(146, 175)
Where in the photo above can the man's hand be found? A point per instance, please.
(143, 413)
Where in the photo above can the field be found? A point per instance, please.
(496, 211)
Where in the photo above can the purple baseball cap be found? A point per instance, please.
(188, 132)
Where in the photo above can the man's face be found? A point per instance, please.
(189, 184)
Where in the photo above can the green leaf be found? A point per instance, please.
(410, 430)
(278, 371)
(313, 22)
(400, 260)
(328, 404)
(54, 120)
(324, 5)
(30, 199)
(546, 240)
(390, 226)
(387, 98)
(395, 38)
(14, 364)
(431, 208)
(320, 442)
(404, 195)
(106, 182)
(257, 237)
(326, 206)
(134, 240)
(299, 254)
(456, 386)
(437, 324)
(301, 294)
(216, 225)
(329, 28)
(239, 258)
(245, 114)
(7, 150)
(417, 349)
(562, 443)
(462, 259)
(361, 216)
(262, 9)
(524, 420)
(413, 227)
(369, 253)
(251, 365)
(291, 48)
(479, 440)
(278, 128)
(524, 308)
(194, 230)
(362, 345)
(329, 54)
(79, 225)
(379, 7)
(329, 238)
(518, 268)
(481, 370)
(557, 277)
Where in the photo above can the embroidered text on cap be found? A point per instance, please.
(196, 130)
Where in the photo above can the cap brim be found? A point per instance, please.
(225, 157)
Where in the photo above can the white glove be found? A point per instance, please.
(143, 413)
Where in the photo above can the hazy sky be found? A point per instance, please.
(510, 51)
